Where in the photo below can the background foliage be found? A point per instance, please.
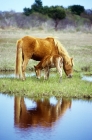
(75, 17)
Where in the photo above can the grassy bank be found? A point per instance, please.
(73, 87)
(79, 46)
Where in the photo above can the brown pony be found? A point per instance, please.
(50, 61)
(37, 48)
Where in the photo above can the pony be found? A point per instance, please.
(37, 48)
(50, 61)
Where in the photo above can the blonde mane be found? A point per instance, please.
(62, 51)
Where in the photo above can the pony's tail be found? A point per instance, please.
(18, 70)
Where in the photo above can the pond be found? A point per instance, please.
(42, 119)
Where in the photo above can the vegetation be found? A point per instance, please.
(77, 9)
(57, 13)
(32, 87)
(37, 6)
(74, 17)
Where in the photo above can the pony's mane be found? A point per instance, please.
(62, 51)
(58, 44)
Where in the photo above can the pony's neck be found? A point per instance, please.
(39, 66)
(66, 59)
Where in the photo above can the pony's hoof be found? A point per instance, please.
(60, 80)
(23, 79)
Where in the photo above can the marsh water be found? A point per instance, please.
(3, 74)
(11, 74)
(46, 118)
(87, 78)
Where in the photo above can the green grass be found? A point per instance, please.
(32, 87)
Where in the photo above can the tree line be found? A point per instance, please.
(57, 13)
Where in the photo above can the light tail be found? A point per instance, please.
(18, 70)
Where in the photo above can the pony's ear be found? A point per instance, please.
(72, 61)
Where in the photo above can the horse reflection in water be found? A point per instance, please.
(43, 115)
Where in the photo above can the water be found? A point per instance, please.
(87, 78)
(29, 119)
(12, 74)
(32, 74)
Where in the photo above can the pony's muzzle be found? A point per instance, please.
(38, 77)
(70, 76)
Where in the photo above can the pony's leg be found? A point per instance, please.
(25, 62)
(60, 72)
(46, 73)
(59, 69)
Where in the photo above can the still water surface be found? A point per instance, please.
(3, 74)
(54, 119)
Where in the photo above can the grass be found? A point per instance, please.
(73, 87)
(79, 46)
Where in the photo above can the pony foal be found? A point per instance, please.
(50, 61)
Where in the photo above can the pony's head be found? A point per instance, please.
(38, 72)
(68, 68)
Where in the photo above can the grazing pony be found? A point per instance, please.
(37, 48)
(50, 61)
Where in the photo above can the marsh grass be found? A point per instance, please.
(79, 46)
(73, 87)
